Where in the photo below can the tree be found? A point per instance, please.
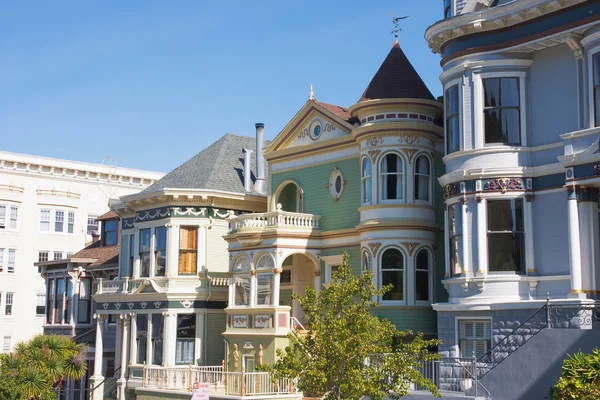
(347, 352)
(36, 369)
(580, 378)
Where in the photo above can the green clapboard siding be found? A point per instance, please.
(417, 320)
(353, 252)
(340, 214)
(216, 323)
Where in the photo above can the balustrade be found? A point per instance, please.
(274, 219)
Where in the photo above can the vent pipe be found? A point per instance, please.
(259, 185)
(247, 170)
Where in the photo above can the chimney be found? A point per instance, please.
(95, 237)
(247, 171)
(259, 185)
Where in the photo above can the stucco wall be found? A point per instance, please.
(550, 234)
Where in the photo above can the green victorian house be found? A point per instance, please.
(212, 252)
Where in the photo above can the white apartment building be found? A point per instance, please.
(47, 212)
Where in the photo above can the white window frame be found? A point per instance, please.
(43, 303)
(478, 94)
(7, 220)
(55, 253)
(430, 176)
(403, 174)
(363, 179)
(12, 254)
(330, 263)
(3, 261)
(3, 217)
(11, 304)
(70, 222)
(590, 86)
(49, 221)
(96, 223)
(406, 260)
(430, 272)
(7, 344)
(40, 252)
(461, 137)
(457, 322)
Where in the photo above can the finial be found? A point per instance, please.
(396, 29)
(312, 93)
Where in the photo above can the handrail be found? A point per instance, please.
(105, 379)
(294, 320)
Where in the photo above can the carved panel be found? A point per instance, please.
(410, 247)
(374, 246)
(504, 184)
(409, 153)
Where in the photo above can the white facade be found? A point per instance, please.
(45, 205)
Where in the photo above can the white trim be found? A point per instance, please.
(405, 259)
(477, 318)
(459, 82)
(590, 38)
(590, 84)
(508, 149)
(470, 65)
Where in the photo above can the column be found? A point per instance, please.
(118, 343)
(446, 243)
(75, 300)
(152, 250)
(172, 250)
(149, 352)
(482, 268)
(317, 281)
(252, 287)
(97, 378)
(276, 285)
(136, 253)
(200, 339)
(132, 340)
(231, 297)
(574, 244)
(588, 216)
(121, 382)
(466, 265)
(529, 249)
(169, 338)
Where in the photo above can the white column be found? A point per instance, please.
(97, 378)
(136, 253)
(149, 352)
(253, 287)
(231, 291)
(482, 268)
(574, 244)
(152, 250)
(118, 343)
(276, 285)
(529, 249)
(199, 353)
(202, 243)
(172, 250)
(121, 382)
(317, 279)
(169, 338)
(75, 299)
(132, 341)
(588, 215)
(446, 243)
(466, 264)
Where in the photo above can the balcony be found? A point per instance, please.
(278, 219)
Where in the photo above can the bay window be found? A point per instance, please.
(188, 250)
(596, 72)
(391, 177)
(264, 280)
(502, 111)
(366, 180)
(60, 300)
(160, 250)
(475, 337)
(422, 178)
(455, 233)
(452, 120)
(59, 221)
(505, 236)
(50, 302)
(141, 337)
(85, 300)
(186, 337)
(392, 273)
(241, 280)
(422, 268)
(145, 236)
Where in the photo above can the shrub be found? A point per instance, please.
(580, 377)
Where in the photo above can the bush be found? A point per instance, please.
(580, 377)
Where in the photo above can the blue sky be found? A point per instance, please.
(151, 83)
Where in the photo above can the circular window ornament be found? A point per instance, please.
(336, 183)
(315, 130)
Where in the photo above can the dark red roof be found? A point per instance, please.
(337, 110)
(396, 79)
(108, 215)
(105, 256)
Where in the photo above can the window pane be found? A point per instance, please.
(141, 337)
(396, 279)
(157, 339)
(597, 104)
(500, 216)
(422, 276)
(510, 126)
(110, 232)
(392, 259)
(452, 134)
(597, 69)
(145, 240)
(422, 165)
(491, 89)
(452, 100)
(367, 190)
(186, 334)
(242, 290)
(422, 187)
(264, 288)
(493, 127)
(505, 252)
(509, 92)
(59, 219)
(160, 250)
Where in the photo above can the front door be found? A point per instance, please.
(248, 361)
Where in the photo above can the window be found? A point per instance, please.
(68, 301)
(85, 300)
(505, 235)
(60, 300)
(366, 180)
(422, 178)
(7, 343)
(45, 220)
(71, 222)
(188, 250)
(186, 336)
(241, 269)
(366, 261)
(475, 337)
(11, 261)
(1, 260)
(455, 233)
(8, 308)
(452, 120)
(110, 233)
(40, 305)
(422, 276)
(145, 236)
(596, 68)
(392, 273)
(447, 8)
(92, 224)
(50, 302)
(157, 338)
(160, 250)
(141, 337)
(131, 255)
(264, 280)
(14, 214)
(59, 221)
(58, 255)
(391, 177)
(2, 217)
(501, 110)
(336, 184)
(42, 256)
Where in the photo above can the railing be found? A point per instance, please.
(275, 219)
(455, 375)
(111, 286)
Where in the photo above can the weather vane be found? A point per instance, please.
(395, 22)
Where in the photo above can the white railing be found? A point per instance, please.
(458, 375)
(275, 219)
(228, 383)
(109, 287)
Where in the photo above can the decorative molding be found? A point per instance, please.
(148, 215)
(189, 211)
(374, 141)
(373, 154)
(410, 247)
(374, 246)
(409, 139)
(228, 214)
(144, 304)
(504, 184)
(186, 303)
(409, 153)
(327, 127)
(58, 193)
(450, 190)
(157, 304)
(12, 188)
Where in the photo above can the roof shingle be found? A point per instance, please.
(104, 255)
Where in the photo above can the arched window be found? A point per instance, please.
(422, 276)
(241, 278)
(422, 178)
(366, 180)
(391, 177)
(392, 273)
(264, 279)
(366, 261)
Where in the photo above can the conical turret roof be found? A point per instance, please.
(396, 79)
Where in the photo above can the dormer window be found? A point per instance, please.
(110, 232)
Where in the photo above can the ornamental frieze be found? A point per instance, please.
(596, 169)
(450, 190)
(327, 127)
(409, 139)
(503, 184)
(167, 212)
(374, 141)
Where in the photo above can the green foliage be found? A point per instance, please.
(348, 353)
(580, 377)
(37, 368)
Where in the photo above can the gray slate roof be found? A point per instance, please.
(218, 167)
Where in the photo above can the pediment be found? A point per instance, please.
(312, 125)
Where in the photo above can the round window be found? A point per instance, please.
(336, 184)
(315, 129)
